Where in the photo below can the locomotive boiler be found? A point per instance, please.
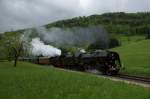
(107, 62)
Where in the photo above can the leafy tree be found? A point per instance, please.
(15, 46)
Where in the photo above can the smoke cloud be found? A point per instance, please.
(80, 37)
(76, 36)
(39, 48)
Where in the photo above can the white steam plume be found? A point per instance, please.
(39, 48)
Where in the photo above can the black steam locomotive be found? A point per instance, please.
(107, 62)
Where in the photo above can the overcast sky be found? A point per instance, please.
(16, 14)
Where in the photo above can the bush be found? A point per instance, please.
(98, 45)
(114, 43)
(148, 36)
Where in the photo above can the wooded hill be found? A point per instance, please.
(120, 23)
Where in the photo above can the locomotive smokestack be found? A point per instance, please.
(39, 48)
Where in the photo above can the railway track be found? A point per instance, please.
(125, 77)
(138, 79)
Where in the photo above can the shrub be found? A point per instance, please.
(114, 43)
(148, 36)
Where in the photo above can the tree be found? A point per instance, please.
(98, 45)
(15, 46)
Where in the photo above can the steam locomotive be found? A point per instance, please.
(107, 62)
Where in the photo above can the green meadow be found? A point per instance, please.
(30, 81)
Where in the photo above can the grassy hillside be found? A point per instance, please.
(29, 81)
(136, 57)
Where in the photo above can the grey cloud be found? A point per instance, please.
(16, 14)
(23, 13)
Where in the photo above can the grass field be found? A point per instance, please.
(136, 57)
(29, 81)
